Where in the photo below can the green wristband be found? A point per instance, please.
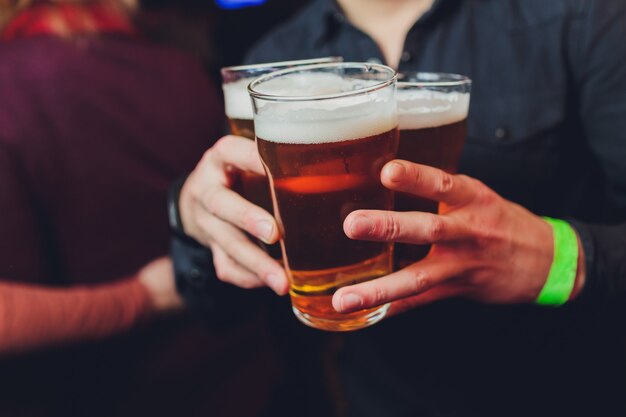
(560, 282)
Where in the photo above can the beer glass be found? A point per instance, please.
(324, 133)
(235, 80)
(432, 117)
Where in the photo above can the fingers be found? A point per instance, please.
(410, 281)
(238, 152)
(428, 182)
(410, 227)
(231, 272)
(237, 246)
(215, 215)
(233, 208)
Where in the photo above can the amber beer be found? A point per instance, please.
(432, 115)
(323, 158)
(253, 187)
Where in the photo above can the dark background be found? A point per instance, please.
(218, 37)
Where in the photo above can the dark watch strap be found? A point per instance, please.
(173, 212)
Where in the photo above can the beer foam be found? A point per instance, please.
(325, 120)
(423, 109)
(311, 84)
(237, 100)
(319, 122)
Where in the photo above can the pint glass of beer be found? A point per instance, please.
(432, 116)
(235, 80)
(324, 133)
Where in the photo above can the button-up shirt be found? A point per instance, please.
(547, 129)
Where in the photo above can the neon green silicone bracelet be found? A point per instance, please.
(560, 282)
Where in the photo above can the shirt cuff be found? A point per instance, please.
(216, 303)
(593, 291)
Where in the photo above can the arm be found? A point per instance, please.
(598, 66)
(34, 316)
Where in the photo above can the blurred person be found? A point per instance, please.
(95, 122)
(545, 138)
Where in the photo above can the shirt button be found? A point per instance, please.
(339, 17)
(406, 56)
(501, 133)
(195, 277)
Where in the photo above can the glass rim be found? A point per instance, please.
(281, 64)
(365, 90)
(449, 80)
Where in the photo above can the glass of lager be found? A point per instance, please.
(238, 106)
(432, 117)
(324, 133)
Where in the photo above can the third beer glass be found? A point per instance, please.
(238, 108)
(324, 133)
(432, 115)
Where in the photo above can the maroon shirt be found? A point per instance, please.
(92, 131)
(91, 134)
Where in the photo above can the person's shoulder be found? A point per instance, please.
(292, 39)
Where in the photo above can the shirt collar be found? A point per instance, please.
(331, 16)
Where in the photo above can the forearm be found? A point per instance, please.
(34, 316)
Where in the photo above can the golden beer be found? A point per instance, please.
(432, 117)
(323, 157)
(254, 188)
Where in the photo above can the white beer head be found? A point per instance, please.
(431, 99)
(421, 109)
(308, 107)
(236, 80)
(237, 100)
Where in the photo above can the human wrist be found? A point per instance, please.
(157, 278)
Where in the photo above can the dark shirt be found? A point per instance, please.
(92, 131)
(547, 130)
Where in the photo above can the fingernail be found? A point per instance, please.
(395, 171)
(276, 283)
(361, 226)
(264, 230)
(350, 302)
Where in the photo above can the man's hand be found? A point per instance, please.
(485, 248)
(217, 216)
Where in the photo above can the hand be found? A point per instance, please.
(158, 278)
(217, 217)
(485, 248)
